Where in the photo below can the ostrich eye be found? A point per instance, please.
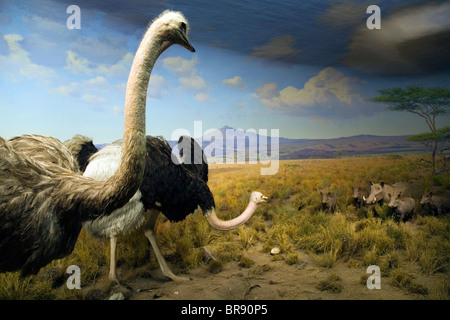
(183, 27)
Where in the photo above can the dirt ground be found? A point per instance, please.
(267, 279)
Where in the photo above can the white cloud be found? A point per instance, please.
(94, 91)
(98, 81)
(329, 94)
(279, 48)
(68, 90)
(50, 27)
(195, 83)
(91, 99)
(47, 39)
(235, 82)
(267, 91)
(202, 97)
(122, 67)
(180, 66)
(77, 65)
(18, 62)
(156, 86)
(189, 79)
(105, 50)
(97, 84)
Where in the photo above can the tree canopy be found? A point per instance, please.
(425, 102)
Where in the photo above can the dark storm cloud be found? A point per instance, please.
(411, 41)
(319, 33)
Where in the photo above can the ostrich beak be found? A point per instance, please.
(185, 42)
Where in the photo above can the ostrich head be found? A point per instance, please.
(257, 197)
(172, 28)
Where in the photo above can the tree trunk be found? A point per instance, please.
(433, 157)
(444, 161)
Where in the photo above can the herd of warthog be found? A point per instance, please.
(397, 196)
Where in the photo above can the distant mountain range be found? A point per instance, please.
(229, 143)
(349, 146)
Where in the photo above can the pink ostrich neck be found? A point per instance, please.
(219, 224)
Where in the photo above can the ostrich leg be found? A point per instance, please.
(113, 259)
(149, 232)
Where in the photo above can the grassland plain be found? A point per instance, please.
(322, 255)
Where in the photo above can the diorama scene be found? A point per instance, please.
(197, 150)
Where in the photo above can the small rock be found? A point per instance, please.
(275, 251)
(117, 296)
(158, 294)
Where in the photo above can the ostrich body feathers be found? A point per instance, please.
(48, 151)
(39, 198)
(175, 189)
(102, 165)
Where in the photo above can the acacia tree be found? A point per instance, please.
(442, 137)
(427, 103)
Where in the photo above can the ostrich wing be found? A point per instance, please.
(46, 150)
(41, 210)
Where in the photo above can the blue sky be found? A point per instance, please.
(306, 68)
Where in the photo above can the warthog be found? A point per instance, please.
(329, 201)
(403, 207)
(359, 196)
(438, 204)
(380, 192)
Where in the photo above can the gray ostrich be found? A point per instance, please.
(43, 205)
(174, 188)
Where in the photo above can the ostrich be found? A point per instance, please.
(48, 151)
(174, 188)
(82, 149)
(73, 154)
(43, 206)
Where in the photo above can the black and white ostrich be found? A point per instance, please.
(175, 188)
(81, 148)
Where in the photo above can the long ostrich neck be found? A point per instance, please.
(206, 201)
(133, 152)
(94, 198)
(136, 94)
(127, 179)
(218, 224)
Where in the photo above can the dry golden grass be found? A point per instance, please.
(292, 220)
